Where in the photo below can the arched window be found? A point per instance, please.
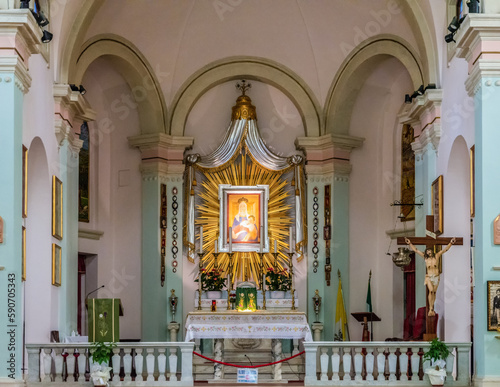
(460, 9)
(83, 175)
(407, 173)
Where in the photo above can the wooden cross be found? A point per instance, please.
(429, 241)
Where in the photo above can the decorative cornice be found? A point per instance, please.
(423, 109)
(337, 168)
(478, 41)
(71, 105)
(161, 146)
(90, 234)
(19, 39)
(338, 141)
(431, 135)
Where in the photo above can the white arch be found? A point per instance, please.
(133, 66)
(260, 69)
(355, 70)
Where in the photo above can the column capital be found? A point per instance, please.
(478, 42)
(161, 170)
(328, 154)
(162, 146)
(19, 39)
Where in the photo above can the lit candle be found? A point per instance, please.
(291, 240)
(230, 240)
(275, 246)
(201, 239)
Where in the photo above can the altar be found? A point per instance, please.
(254, 325)
(262, 324)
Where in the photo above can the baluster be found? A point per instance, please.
(47, 365)
(370, 365)
(295, 345)
(150, 364)
(139, 363)
(380, 364)
(115, 361)
(358, 364)
(162, 363)
(87, 364)
(81, 365)
(403, 365)
(197, 347)
(172, 365)
(450, 363)
(323, 361)
(346, 360)
(34, 364)
(415, 364)
(127, 364)
(335, 363)
(393, 359)
(64, 372)
(58, 365)
(76, 368)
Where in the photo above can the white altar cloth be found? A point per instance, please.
(249, 325)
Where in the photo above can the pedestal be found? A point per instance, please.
(317, 328)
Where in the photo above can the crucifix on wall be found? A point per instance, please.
(431, 258)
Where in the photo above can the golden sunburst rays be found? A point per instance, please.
(246, 265)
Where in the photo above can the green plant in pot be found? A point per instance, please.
(437, 354)
(101, 353)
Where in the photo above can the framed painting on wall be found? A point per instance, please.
(244, 210)
(57, 208)
(437, 204)
(493, 305)
(56, 264)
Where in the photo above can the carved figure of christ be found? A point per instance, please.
(431, 259)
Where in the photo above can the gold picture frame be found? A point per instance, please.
(472, 181)
(25, 182)
(57, 208)
(493, 302)
(23, 253)
(56, 264)
(437, 204)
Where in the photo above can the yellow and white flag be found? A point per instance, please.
(341, 328)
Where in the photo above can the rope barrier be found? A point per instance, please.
(247, 366)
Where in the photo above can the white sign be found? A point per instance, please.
(430, 234)
(247, 375)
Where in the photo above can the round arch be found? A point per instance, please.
(259, 69)
(356, 69)
(133, 66)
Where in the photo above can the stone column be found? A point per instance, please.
(18, 41)
(162, 158)
(424, 115)
(327, 163)
(478, 41)
(70, 110)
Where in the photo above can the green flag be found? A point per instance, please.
(369, 295)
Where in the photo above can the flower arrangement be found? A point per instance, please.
(278, 279)
(212, 280)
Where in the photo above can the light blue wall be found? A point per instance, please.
(155, 311)
(339, 249)
(68, 294)
(487, 141)
(11, 311)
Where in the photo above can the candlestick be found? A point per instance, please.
(200, 270)
(292, 290)
(263, 286)
(261, 235)
(215, 246)
(291, 240)
(201, 239)
(230, 240)
(275, 246)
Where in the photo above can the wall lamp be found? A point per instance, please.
(40, 18)
(453, 28)
(25, 4)
(46, 37)
(473, 6)
(420, 91)
(80, 88)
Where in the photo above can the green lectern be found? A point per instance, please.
(103, 321)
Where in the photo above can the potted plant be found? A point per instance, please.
(101, 353)
(278, 282)
(212, 283)
(437, 354)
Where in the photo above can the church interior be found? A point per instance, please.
(328, 167)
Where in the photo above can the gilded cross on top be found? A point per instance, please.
(243, 86)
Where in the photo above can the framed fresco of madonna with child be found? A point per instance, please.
(243, 216)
